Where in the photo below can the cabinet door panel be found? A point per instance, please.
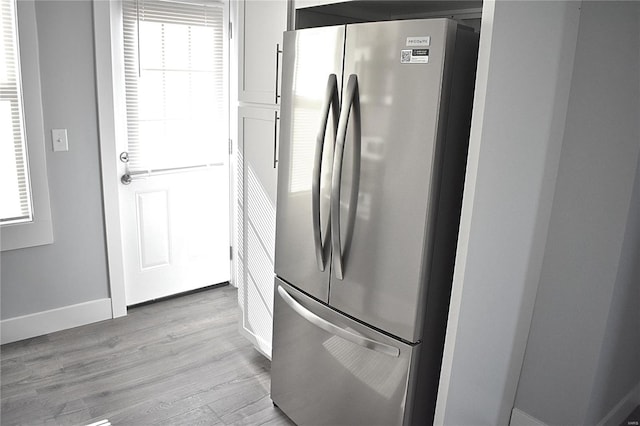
(257, 132)
(262, 24)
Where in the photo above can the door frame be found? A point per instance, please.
(109, 130)
(112, 129)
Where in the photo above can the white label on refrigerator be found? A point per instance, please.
(419, 41)
(414, 56)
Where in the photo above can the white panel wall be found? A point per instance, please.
(583, 353)
(524, 72)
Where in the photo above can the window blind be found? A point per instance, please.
(174, 76)
(15, 192)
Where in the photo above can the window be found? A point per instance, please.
(15, 192)
(25, 213)
(174, 78)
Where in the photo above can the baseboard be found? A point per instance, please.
(32, 325)
(520, 418)
(263, 347)
(259, 343)
(614, 418)
(622, 408)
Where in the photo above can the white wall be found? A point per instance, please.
(583, 353)
(524, 73)
(73, 269)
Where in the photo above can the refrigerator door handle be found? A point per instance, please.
(350, 101)
(325, 325)
(331, 103)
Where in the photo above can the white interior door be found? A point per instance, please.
(174, 198)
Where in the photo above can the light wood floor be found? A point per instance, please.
(174, 362)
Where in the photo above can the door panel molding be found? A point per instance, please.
(154, 246)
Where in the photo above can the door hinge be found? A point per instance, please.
(230, 252)
(230, 146)
(230, 30)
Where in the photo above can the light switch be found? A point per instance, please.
(59, 139)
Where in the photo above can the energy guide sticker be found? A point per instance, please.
(414, 56)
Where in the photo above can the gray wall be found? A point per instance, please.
(583, 352)
(619, 364)
(513, 157)
(73, 269)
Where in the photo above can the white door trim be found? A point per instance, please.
(103, 14)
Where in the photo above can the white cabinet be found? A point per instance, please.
(257, 135)
(260, 44)
(260, 24)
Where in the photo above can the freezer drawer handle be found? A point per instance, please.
(331, 102)
(350, 101)
(335, 330)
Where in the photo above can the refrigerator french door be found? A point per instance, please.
(374, 129)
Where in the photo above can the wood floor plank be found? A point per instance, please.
(23, 347)
(178, 361)
(200, 416)
(187, 386)
(257, 412)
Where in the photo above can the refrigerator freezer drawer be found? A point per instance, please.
(330, 370)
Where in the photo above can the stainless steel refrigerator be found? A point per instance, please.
(374, 133)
